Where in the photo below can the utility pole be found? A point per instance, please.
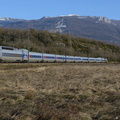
(28, 41)
(65, 54)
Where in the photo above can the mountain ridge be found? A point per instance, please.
(93, 27)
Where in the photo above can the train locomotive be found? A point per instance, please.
(11, 54)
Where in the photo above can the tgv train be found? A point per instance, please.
(11, 54)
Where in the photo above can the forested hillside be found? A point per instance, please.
(56, 43)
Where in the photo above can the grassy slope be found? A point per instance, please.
(59, 91)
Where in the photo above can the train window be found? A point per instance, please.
(35, 56)
(60, 57)
(7, 48)
(50, 57)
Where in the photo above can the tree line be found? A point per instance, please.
(56, 43)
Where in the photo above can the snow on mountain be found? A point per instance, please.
(104, 19)
(9, 19)
(69, 15)
(98, 19)
(101, 19)
(5, 18)
(60, 25)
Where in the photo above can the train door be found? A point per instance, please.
(25, 56)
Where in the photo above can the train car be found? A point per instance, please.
(98, 60)
(91, 59)
(104, 60)
(78, 59)
(60, 58)
(35, 57)
(70, 59)
(85, 59)
(101, 60)
(49, 57)
(10, 54)
(31, 56)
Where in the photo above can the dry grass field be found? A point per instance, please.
(84, 91)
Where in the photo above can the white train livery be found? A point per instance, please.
(11, 54)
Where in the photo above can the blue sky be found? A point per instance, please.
(36, 9)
